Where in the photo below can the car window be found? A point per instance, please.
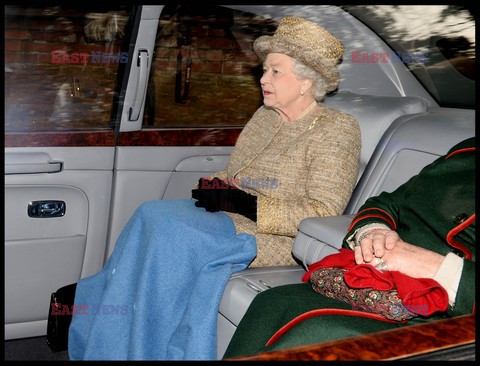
(204, 55)
(61, 65)
(436, 42)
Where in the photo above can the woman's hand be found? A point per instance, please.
(207, 189)
(374, 243)
(223, 197)
(208, 194)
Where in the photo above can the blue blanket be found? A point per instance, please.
(158, 295)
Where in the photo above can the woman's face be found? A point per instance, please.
(280, 86)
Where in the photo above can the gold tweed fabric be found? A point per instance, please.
(314, 162)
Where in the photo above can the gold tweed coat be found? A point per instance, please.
(299, 169)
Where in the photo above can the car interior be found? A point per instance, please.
(397, 157)
(70, 192)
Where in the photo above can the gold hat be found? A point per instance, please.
(307, 42)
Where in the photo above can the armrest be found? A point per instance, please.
(320, 236)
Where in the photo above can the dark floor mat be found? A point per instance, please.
(35, 348)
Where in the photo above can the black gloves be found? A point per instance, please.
(205, 184)
(217, 195)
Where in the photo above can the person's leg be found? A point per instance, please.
(272, 309)
(165, 277)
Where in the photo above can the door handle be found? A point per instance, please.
(30, 163)
(46, 209)
(51, 167)
(142, 63)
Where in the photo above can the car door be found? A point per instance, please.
(197, 56)
(106, 108)
(60, 74)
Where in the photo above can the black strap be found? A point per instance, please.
(185, 40)
(179, 98)
(58, 322)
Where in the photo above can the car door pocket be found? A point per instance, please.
(187, 172)
(208, 163)
(31, 163)
(26, 206)
(35, 268)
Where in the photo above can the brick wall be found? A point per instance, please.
(225, 72)
(42, 95)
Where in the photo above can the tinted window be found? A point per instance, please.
(436, 42)
(205, 72)
(61, 65)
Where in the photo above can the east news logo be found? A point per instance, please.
(97, 57)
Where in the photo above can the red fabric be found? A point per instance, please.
(366, 276)
(460, 151)
(318, 312)
(424, 292)
(451, 234)
(339, 260)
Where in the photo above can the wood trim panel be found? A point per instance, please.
(60, 138)
(165, 137)
(386, 345)
(181, 137)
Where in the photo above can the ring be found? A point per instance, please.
(381, 265)
(363, 236)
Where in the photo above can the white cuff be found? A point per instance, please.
(356, 234)
(449, 274)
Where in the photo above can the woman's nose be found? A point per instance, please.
(264, 78)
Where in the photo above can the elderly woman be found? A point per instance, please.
(309, 151)
(294, 159)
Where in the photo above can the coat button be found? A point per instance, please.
(460, 218)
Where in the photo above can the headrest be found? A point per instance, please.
(374, 115)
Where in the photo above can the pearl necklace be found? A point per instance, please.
(307, 110)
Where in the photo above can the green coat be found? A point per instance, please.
(435, 210)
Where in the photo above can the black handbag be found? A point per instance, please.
(60, 317)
